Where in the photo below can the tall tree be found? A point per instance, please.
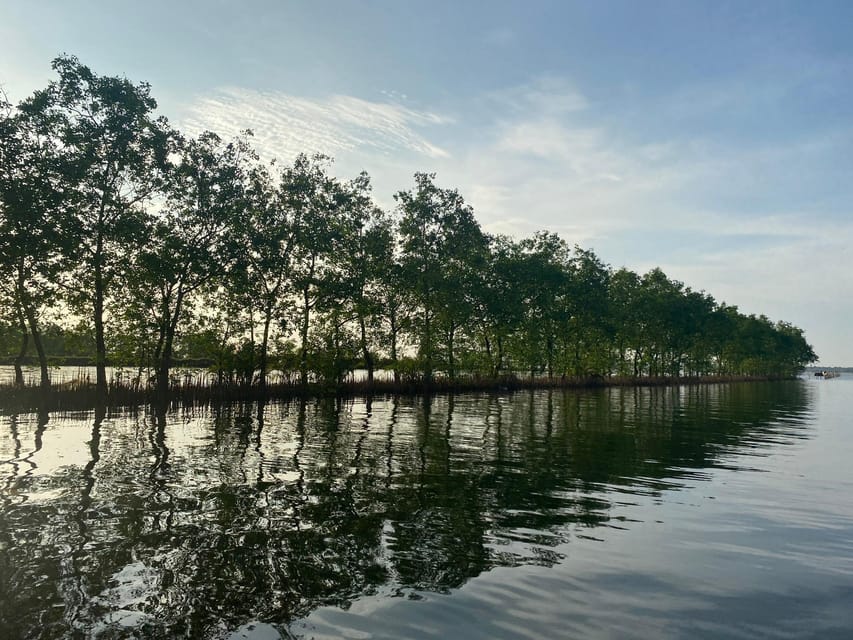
(270, 235)
(586, 323)
(439, 237)
(114, 151)
(543, 280)
(34, 203)
(191, 241)
(497, 303)
(358, 264)
(394, 314)
(624, 314)
(317, 199)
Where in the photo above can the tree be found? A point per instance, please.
(113, 155)
(662, 335)
(394, 315)
(498, 300)
(439, 240)
(544, 271)
(586, 322)
(792, 351)
(192, 240)
(364, 249)
(625, 316)
(34, 206)
(270, 236)
(317, 200)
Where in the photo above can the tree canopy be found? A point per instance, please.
(160, 246)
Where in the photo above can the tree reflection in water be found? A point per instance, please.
(191, 522)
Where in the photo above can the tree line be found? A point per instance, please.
(167, 245)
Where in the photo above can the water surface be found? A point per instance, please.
(719, 511)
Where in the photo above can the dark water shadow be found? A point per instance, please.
(189, 523)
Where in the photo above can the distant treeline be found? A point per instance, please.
(127, 241)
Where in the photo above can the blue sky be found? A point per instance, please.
(712, 139)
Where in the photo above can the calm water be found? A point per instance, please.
(721, 511)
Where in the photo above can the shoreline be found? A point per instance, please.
(84, 396)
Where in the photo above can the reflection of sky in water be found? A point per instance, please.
(616, 513)
(186, 375)
(762, 553)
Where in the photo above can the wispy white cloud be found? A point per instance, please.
(744, 222)
(566, 168)
(285, 125)
(546, 95)
(740, 221)
(804, 278)
(540, 163)
(499, 37)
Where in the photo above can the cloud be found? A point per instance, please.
(286, 125)
(804, 278)
(550, 160)
(546, 95)
(759, 223)
(499, 37)
(544, 161)
(764, 225)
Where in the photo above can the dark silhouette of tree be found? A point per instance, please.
(440, 243)
(114, 153)
(192, 246)
(34, 208)
(358, 267)
(318, 201)
(191, 241)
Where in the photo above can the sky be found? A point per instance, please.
(711, 139)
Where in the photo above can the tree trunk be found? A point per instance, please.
(303, 334)
(165, 362)
(451, 365)
(488, 346)
(426, 349)
(368, 357)
(549, 348)
(36, 333)
(222, 345)
(161, 370)
(339, 369)
(394, 329)
(499, 363)
(578, 357)
(26, 307)
(98, 317)
(160, 347)
(262, 381)
(25, 342)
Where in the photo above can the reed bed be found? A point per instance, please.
(186, 391)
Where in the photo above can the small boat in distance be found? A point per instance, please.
(827, 375)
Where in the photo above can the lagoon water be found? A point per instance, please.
(716, 511)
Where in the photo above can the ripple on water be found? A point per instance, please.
(703, 511)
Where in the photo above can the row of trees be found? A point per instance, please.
(165, 243)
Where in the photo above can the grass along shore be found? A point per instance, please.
(81, 395)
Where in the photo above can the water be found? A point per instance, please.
(196, 375)
(718, 511)
(70, 373)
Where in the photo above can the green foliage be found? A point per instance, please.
(175, 247)
(442, 251)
